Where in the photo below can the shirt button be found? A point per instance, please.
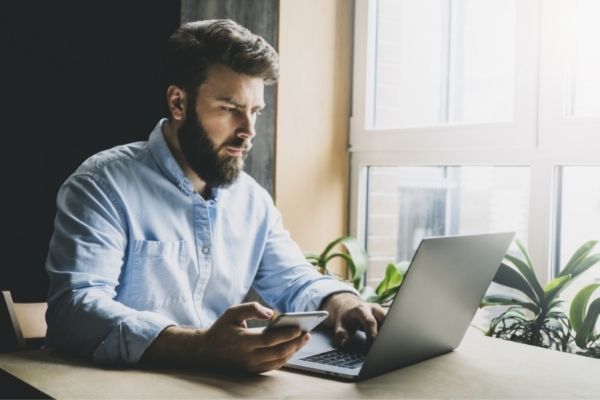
(205, 249)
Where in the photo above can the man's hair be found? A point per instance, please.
(195, 46)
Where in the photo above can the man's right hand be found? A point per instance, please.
(228, 344)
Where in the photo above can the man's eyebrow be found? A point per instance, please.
(237, 104)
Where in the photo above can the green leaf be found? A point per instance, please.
(508, 300)
(508, 276)
(555, 315)
(556, 302)
(391, 280)
(580, 254)
(585, 264)
(527, 271)
(312, 258)
(358, 266)
(359, 255)
(586, 330)
(310, 254)
(521, 247)
(579, 305)
(332, 245)
(555, 286)
(346, 258)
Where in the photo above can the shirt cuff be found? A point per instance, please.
(128, 341)
(313, 296)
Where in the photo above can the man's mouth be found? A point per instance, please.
(236, 151)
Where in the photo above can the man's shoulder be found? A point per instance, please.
(116, 158)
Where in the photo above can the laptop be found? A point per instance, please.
(447, 278)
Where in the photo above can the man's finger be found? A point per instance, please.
(283, 350)
(241, 312)
(365, 318)
(276, 336)
(341, 334)
(268, 366)
(378, 313)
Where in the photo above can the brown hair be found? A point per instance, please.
(195, 46)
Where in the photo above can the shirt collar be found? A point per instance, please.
(165, 159)
(168, 164)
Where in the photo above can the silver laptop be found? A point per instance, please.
(447, 278)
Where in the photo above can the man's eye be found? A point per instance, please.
(257, 113)
(228, 109)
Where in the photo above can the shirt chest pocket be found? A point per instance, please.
(160, 274)
(155, 249)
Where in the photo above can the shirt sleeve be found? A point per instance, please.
(85, 260)
(286, 280)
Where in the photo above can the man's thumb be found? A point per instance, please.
(238, 314)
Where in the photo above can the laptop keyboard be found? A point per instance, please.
(337, 358)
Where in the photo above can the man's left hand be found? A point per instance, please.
(348, 312)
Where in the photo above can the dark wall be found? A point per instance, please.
(77, 77)
(261, 17)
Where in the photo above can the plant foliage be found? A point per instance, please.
(356, 260)
(535, 316)
(584, 316)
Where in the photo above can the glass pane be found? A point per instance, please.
(406, 204)
(444, 61)
(577, 219)
(585, 61)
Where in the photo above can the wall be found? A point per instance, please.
(77, 77)
(313, 103)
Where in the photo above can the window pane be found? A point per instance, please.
(578, 218)
(406, 204)
(443, 61)
(585, 61)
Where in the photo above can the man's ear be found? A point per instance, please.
(176, 99)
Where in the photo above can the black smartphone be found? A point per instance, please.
(306, 321)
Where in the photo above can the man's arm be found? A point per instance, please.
(285, 279)
(85, 260)
(227, 344)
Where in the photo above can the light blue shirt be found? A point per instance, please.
(135, 250)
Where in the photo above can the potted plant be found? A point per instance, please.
(535, 316)
(584, 316)
(356, 260)
(390, 283)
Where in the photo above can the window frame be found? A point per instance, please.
(537, 137)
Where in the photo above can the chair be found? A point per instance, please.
(22, 325)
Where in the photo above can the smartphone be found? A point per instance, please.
(306, 321)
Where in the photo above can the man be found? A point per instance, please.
(156, 243)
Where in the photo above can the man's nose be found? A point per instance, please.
(247, 130)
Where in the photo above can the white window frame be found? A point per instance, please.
(539, 137)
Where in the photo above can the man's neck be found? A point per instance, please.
(170, 134)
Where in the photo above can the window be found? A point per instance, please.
(406, 204)
(584, 60)
(461, 68)
(475, 116)
(577, 216)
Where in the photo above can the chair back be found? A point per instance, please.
(22, 325)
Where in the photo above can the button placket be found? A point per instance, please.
(203, 243)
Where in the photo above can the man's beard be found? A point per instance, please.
(202, 155)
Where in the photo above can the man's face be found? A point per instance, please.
(217, 132)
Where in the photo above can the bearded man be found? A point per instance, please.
(156, 243)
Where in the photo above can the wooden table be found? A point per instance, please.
(480, 368)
